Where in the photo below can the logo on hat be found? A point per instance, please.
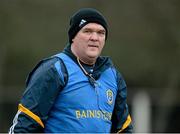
(82, 22)
(109, 95)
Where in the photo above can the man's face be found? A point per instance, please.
(89, 41)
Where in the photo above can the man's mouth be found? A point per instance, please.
(93, 46)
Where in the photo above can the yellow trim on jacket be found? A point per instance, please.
(31, 114)
(126, 124)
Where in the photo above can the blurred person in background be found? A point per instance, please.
(76, 90)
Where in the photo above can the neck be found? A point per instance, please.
(85, 60)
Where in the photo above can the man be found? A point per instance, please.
(76, 90)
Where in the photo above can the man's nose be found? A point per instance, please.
(94, 36)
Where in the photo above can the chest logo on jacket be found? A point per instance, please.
(109, 95)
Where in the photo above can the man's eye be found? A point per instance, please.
(101, 32)
(87, 31)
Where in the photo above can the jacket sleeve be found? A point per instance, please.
(42, 86)
(121, 120)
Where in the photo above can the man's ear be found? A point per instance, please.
(72, 40)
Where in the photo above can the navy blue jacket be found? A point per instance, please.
(44, 84)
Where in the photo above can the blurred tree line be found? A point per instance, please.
(143, 42)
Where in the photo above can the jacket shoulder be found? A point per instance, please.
(51, 65)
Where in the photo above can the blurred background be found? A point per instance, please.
(143, 42)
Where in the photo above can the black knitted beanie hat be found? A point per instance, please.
(83, 17)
